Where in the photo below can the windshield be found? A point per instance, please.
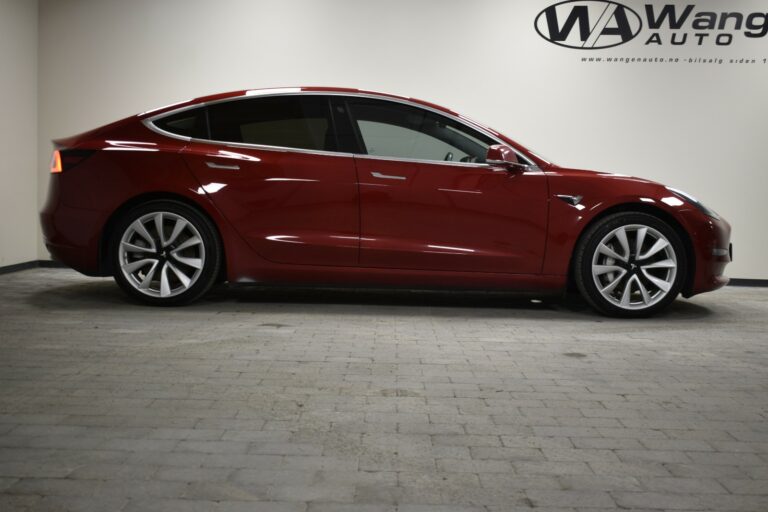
(539, 155)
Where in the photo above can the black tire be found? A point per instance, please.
(649, 275)
(207, 254)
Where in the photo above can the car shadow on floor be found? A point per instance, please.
(104, 294)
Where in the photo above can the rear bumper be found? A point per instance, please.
(73, 257)
(70, 234)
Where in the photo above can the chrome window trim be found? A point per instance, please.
(149, 122)
(264, 147)
(420, 161)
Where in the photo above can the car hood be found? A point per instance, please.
(588, 174)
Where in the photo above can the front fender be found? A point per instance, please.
(599, 195)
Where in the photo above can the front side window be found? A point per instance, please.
(301, 122)
(390, 129)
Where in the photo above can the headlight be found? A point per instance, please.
(695, 202)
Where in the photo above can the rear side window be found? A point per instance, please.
(189, 123)
(301, 122)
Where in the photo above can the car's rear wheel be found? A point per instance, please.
(630, 264)
(165, 253)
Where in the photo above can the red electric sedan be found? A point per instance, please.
(340, 186)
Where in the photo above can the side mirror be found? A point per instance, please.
(500, 155)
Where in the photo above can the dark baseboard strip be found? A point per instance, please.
(18, 266)
(31, 264)
(50, 264)
(755, 283)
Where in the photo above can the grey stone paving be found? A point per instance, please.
(296, 401)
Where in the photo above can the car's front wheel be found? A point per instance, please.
(165, 253)
(630, 264)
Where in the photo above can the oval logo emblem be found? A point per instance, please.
(588, 24)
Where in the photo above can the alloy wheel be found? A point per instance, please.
(161, 254)
(634, 267)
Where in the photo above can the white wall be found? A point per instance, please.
(18, 131)
(694, 126)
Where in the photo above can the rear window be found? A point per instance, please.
(301, 122)
(189, 123)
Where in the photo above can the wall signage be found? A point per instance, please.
(598, 24)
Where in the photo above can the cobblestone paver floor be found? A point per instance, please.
(310, 401)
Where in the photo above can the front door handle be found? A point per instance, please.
(214, 165)
(387, 176)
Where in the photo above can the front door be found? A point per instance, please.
(428, 201)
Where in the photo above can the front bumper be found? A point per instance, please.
(712, 251)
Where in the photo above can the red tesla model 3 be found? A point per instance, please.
(339, 186)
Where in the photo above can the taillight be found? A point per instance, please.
(56, 162)
(65, 159)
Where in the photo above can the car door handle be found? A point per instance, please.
(387, 176)
(214, 165)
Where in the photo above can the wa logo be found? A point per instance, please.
(588, 24)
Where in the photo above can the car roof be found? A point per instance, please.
(288, 90)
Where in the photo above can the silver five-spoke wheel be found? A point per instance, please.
(161, 254)
(634, 266)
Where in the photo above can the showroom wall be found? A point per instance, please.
(18, 131)
(693, 124)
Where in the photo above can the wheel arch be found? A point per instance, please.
(105, 263)
(662, 215)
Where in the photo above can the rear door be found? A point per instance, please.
(274, 169)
